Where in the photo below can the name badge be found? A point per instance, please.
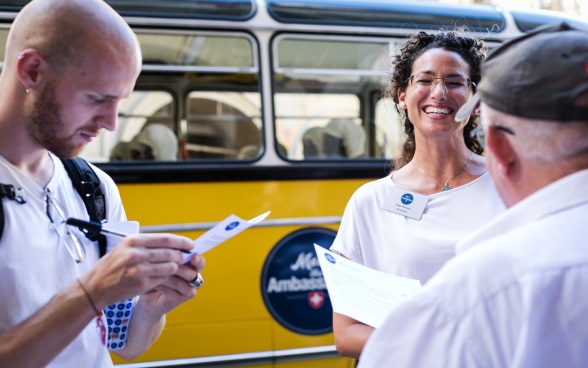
(405, 203)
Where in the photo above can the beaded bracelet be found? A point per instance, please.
(99, 323)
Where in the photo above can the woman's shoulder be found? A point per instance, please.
(373, 186)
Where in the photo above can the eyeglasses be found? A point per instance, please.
(454, 83)
(66, 235)
(478, 133)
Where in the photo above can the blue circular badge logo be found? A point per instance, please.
(407, 198)
(232, 225)
(330, 258)
(292, 284)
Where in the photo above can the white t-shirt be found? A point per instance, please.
(34, 265)
(513, 297)
(392, 243)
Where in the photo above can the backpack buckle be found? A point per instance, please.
(20, 195)
(17, 194)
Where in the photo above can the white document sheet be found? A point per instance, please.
(222, 231)
(122, 227)
(362, 293)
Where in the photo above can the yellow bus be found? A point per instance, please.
(246, 106)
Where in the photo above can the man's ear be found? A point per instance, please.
(501, 149)
(29, 65)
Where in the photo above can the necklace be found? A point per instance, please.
(445, 183)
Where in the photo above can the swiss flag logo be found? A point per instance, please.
(316, 299)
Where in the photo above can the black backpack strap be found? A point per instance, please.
(10, 192)
(87, 184)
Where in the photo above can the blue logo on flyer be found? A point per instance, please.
(232, 225)
(330, 258)
(407, 198)
(292, 284)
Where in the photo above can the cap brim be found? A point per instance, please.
(467, 109)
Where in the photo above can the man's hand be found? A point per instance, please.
(175, 290)
(144, 264)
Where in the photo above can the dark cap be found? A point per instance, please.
(541, 75)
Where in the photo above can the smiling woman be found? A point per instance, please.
(238, 84)
(434, 75)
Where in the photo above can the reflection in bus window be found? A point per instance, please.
(131, 139)
(319, 80)
(196, 50)
(340, 138)
(298, 113)
(389, 136)
(223, 125)
(154, 142)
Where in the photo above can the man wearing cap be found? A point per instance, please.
(515, 294)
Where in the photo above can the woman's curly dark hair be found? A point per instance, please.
(473, 52)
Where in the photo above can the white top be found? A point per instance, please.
(34, 265)
(392, 243)
(513, 298)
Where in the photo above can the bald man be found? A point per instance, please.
(68, 64)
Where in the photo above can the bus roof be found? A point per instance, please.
(392, 14)
(389, 13)
(236, 10)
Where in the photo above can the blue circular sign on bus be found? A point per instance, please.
(292, 283)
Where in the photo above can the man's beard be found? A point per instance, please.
(45, 124)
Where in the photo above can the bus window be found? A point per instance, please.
(223, 125)
(196, 98)
(145, 130)
(324, 87)
(198, 50)
(389, 136)
(295, 122)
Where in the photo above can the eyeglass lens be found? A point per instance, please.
(427, 82)
(72, 243)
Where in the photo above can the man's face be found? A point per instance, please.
(47, 127)
(73, 106)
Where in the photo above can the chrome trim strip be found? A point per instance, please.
(301, 353)
(196, 226)
(350, 72)
(195, 68)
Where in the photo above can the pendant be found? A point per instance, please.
(446, 188)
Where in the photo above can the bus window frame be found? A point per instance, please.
(154, 67)
(366, 117)
(181, 114)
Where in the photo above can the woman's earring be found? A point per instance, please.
(28, 90)
(402, 105)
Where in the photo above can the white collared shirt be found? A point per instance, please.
(513, 297)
